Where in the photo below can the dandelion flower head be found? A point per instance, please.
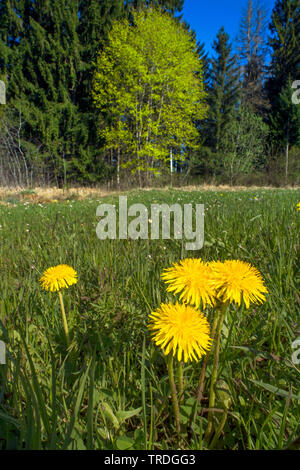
(181, 330)
(236, 280)
(58, 277)
(191, 277)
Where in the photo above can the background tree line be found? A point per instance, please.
(90, 101)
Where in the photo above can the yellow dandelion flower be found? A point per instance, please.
(192, 277)
(181, 329)
(236, 280)
(298, 206)
(58, 277)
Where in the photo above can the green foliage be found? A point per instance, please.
(285, 119)
(223, 90)
(285, 69)
(285, 45)
(95, 19)
(42, 78)
(171, 6)
(203, 56)
(252, 52)
(285, 123)
(148, 84)
(45, 60)
(243, 144)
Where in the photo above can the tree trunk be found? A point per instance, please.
(287, 155)
(118, 167)
(171, 167)
(286, 163)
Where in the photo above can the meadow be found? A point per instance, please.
(110, 388)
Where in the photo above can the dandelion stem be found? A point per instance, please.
(212, 396)
(180, 381)
(205, 361)
(220, 429)
(174, 392)
(64, 317)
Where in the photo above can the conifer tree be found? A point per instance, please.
(96, 17)
(42, 69)
(284, 70)
(285, 123)
(171, 6)
(203, 56)
(252, 49)
(285, 46)
(95, 20)
(223, 89)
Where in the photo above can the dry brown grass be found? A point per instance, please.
(226, 187)
(50, 194)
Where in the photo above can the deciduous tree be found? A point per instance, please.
(149, 84)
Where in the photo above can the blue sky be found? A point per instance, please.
(207, 16)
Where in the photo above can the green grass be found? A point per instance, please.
(111, 389)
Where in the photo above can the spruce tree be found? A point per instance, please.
(47, 77)
(285, 46)
(223, 90)
(197, 163)
(285, 123)
(171, 6)
(252, 50)
(11, 32)
(284, 70)
(203, 57)
(95, 20)
(42, 85)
